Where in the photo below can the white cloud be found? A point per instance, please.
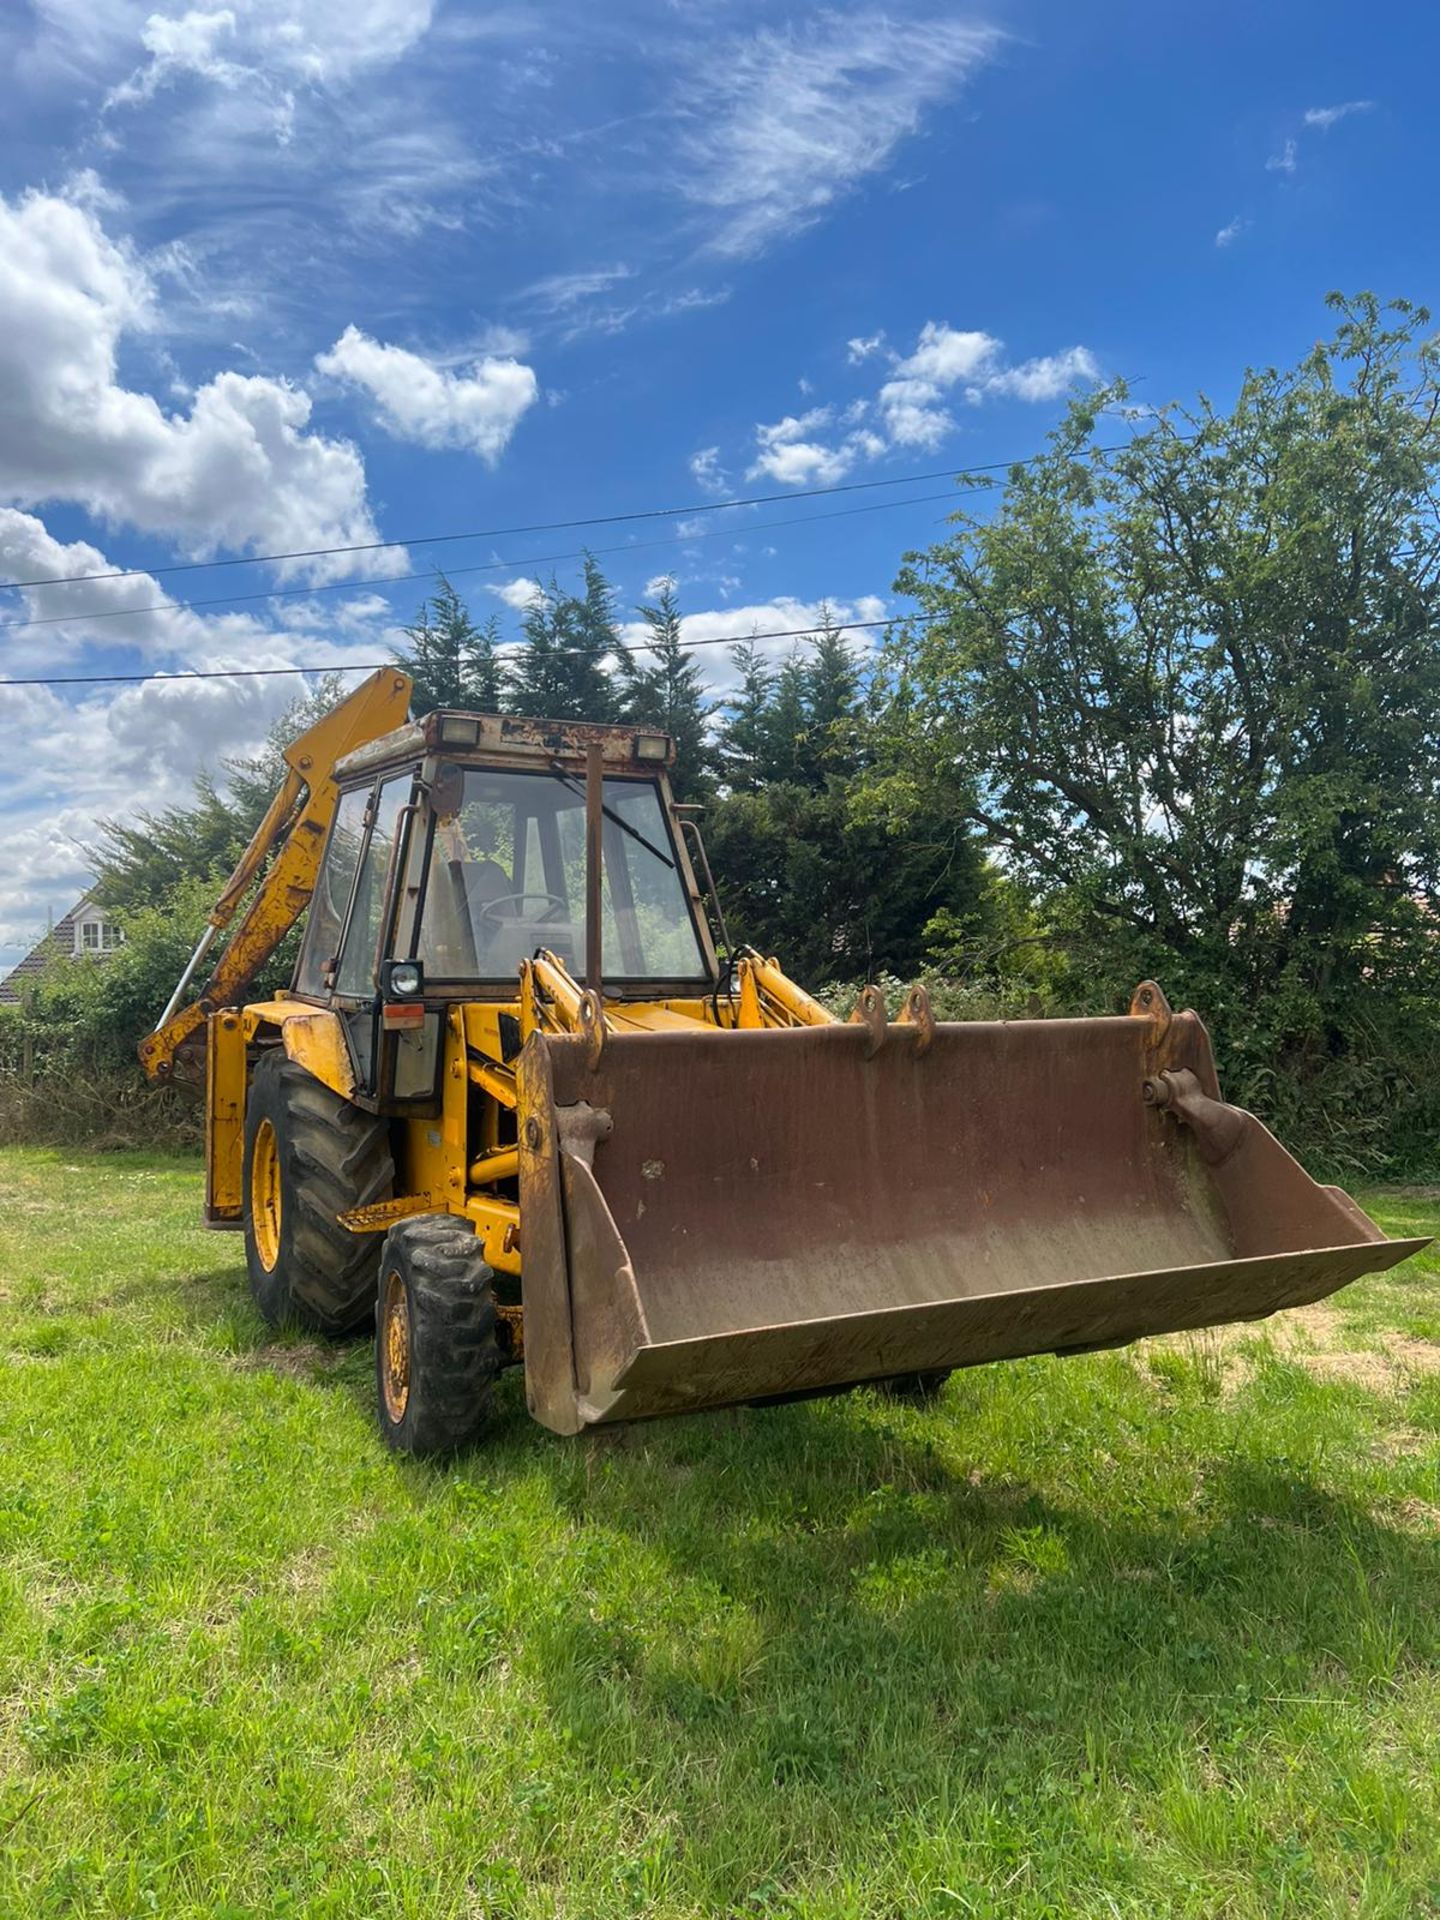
(417, 400)
(908, 401)
(1046, 377)
(911, 407)
(784, 452)
(119, 611)
(1284, 161)
(110, 754)
(238, 471)
(580, 305)
(293, 144)
(189, 44)
(656, 585)
(292, 42)
(946, 358)
(558, 291)
(863, 346)
(1231, 231)
(1326, 117)
(944, 354)
(518, 593)
(109, 751)
(712, 632)
(782, 124)
(707, 472)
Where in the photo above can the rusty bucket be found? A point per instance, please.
(718, 1217)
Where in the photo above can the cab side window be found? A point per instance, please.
(332, 893)
(357, 974)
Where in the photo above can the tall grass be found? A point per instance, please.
(1084, 1639)
(104, 1109)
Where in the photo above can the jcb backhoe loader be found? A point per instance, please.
(682, 1183)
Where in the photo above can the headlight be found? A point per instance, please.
(406, 979)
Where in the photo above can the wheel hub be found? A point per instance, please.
(395, 1347)
(265, 1195)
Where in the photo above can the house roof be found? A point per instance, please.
(58, 942)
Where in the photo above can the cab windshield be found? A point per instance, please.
(506, 874)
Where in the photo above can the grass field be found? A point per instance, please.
(1141, 1634)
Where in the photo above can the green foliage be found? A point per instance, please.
(664, 688)
(68, 1067)
(452, 661)
(562, 670)
(811, 864)
(1170, 710)
(743, 741)
(142, 862)
(834, 895)
(1201, 680)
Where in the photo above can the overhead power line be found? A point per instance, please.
(503, 533)
(375, 666)
(553, 526)
(481, 566)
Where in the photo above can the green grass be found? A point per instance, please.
(1137, 1634)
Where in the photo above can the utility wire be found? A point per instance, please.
(557, 526)
(483, 566)
(375, 666)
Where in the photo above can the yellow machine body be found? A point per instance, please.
(703, 1191)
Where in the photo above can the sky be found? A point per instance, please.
(281, 275)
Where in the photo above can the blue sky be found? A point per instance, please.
(281, 274)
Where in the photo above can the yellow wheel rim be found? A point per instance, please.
(265, 1195)
(395, 1348)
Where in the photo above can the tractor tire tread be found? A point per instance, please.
(454, 1334)
(333, 1157)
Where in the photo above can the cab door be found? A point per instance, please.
(355, 978)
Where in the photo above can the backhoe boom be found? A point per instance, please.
(293, 832)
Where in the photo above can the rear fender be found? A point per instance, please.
(313, 1037)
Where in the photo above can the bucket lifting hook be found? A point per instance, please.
(869, 1011)
(1148, 1003)
(918, 1014)
(593, 1026)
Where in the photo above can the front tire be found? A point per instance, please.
(437, 1344)
(309, 1157)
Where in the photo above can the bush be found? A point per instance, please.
(69, 1075)
(107, 1111)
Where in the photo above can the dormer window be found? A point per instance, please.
(99, 936)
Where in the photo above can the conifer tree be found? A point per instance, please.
(451, 661)
(743, 733)
(785, 735)
(832, 704)
(562, 671)
(664, 688)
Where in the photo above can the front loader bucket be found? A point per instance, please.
(717, 1217)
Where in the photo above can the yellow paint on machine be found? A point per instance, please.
(695, 1197)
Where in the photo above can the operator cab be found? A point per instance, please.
(459, 845)
(504, 875)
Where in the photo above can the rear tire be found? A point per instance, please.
(437, 1342)
(309, 1157)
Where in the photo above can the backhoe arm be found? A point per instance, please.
(291, 838)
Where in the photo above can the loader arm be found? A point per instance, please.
(291, 838)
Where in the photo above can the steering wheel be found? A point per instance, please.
(555, 909)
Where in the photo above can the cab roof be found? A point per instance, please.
(510, 740)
